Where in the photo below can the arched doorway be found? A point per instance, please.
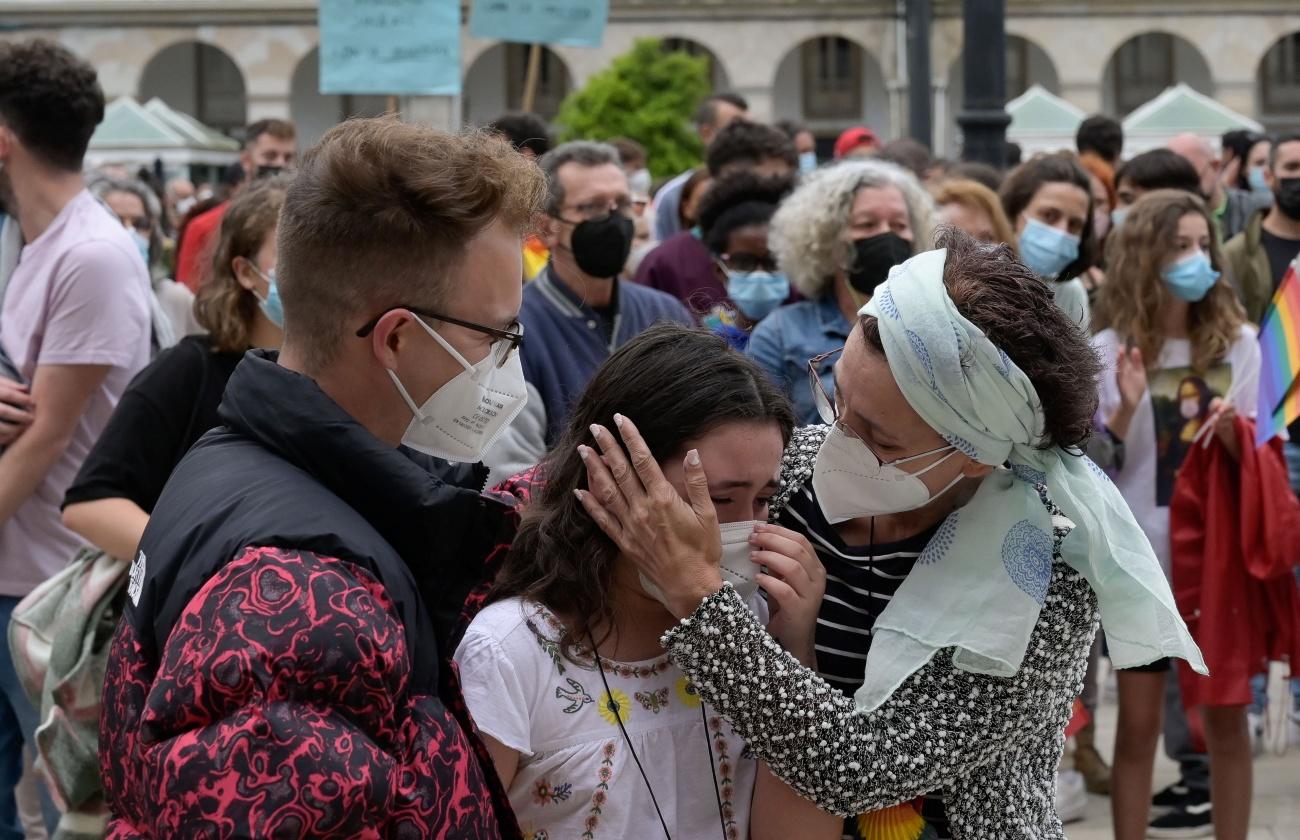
(200, 80)
(1145, 65)
(717, 73)
(494, 83)
(314, 113)
(830, 83)
(1278, 91)
(1028, 64)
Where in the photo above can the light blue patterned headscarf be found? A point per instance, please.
(980, 584)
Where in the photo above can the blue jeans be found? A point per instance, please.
(18, 720)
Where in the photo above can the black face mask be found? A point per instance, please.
(872, 259)
(267, 171)
(1287, 196)
(600, 246)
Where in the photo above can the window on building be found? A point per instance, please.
(1144, 67)
(1279, 77)
(832, 79)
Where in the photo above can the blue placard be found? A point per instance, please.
(572, 23)
(390, 46)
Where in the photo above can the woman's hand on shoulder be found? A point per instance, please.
(795, 582)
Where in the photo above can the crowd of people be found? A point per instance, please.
(471, 485)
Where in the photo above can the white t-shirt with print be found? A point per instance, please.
(1168, 417)
(576, 778)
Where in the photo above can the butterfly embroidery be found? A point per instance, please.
(653, 701)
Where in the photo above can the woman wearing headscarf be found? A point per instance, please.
(975, 663)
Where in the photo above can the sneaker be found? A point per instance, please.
(1071, 796)
(1177, 795)
(1194, 820)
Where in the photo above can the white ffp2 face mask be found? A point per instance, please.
(463, 418)
(850, 481)
(736, 567)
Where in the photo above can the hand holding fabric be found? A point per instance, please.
(795, 582)
(673, 541)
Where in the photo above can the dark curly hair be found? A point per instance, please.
(748, 143)
(1015, 309)
(676, 384)
(51, 99)
(739, 200)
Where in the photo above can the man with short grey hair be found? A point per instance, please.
(577, 311)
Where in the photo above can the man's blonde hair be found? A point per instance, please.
(380, 215)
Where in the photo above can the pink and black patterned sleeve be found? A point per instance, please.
(282, 707)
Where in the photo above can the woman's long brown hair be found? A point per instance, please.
(675, 384)
(1134, 298)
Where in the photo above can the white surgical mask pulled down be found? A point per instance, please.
(736, 567)
(462, 419)
(850, 482)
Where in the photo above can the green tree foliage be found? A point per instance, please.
(646, 94)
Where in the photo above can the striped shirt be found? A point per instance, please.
(860, 581)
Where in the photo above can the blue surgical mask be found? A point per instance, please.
(807, 161)
(757, 293)
(270, 305)
(1255, 177)
(141, 244)
(1191, 278)
(1047, 250)
(1117, 217)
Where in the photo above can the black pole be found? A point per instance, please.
(984, 119)
(920, 117)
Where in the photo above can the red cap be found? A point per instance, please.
(852, 138)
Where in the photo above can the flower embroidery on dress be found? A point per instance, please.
(653, 701)
(614, 706)
(726, 785)
(687, 694)
(544, 793)
(575, 694)
(549, 646)
(601, 796)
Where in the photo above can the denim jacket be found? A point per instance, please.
(784, 341)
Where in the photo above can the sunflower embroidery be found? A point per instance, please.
(614, 706)
(687, 694)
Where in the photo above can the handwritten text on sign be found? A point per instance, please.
(573, 23)
(390, 46)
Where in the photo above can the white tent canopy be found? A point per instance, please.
(1180, 110)
(1042, 122)
(136, 135)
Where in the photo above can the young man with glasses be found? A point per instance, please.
(577, 312)
(282, 666)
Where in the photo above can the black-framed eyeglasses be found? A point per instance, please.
(507, 341)
(825, 404)
(746, 263)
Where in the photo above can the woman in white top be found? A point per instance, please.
(1180, 355)
(621, 745)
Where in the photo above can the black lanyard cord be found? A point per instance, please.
(614, 709)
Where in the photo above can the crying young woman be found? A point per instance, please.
(594, 732)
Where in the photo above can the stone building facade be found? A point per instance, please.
(828, 63)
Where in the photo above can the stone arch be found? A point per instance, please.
(1277, 84)
(1028, 64)
(830, 83)
(1144, 65)
(200, 79)
(718, 75)
(494, 83)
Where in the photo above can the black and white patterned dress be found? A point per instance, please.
(990, 745)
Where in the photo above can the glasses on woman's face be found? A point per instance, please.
(507, 341)
(742, 263)
(825, 404)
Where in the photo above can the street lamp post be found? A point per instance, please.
(919, 105)
(984, 119)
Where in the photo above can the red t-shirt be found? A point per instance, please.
(194, 256)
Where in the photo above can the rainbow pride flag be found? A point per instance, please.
(1279, 347)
